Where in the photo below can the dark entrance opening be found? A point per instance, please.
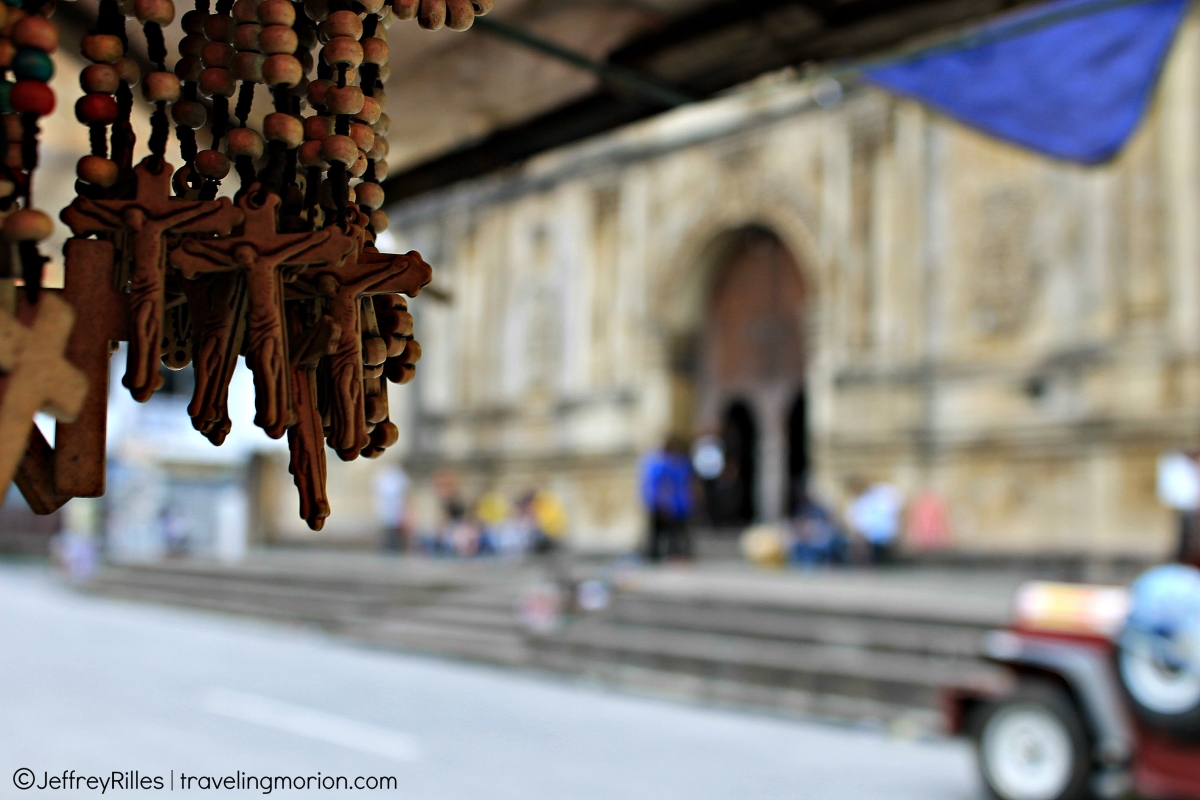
(798, 460)
(735, 495)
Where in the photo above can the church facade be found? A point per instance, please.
(847, 291)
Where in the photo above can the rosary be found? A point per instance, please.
(285, 274)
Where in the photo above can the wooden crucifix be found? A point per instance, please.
(315, 336)
(217, 305)
(262, 253)
(343, 288)
(36, 376)
(148, 217)
(101, 320)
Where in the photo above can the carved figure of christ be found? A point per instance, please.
(369, 274)
(262, 253)
(149, 216)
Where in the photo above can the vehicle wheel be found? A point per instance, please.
(1166, 699)
(1033, 746)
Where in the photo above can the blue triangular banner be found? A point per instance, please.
(1075, 89)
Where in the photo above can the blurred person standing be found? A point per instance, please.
(1179, 490)
(492, 511)
(391, 491)
(551, 521)
(874, 514)
(667, 494)
(816, 537)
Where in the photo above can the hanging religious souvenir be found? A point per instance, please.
(286, 274)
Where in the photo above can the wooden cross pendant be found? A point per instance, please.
(37, 377)
(217, 305)
(370, 274)
(149, 217)
(315, 337)
(262, 253)
(101, 319)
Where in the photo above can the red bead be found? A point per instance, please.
(32, 97)
(96, 109)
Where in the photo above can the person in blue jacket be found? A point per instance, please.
(666, 482)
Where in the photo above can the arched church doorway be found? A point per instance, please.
(735, 489)
(750, 376)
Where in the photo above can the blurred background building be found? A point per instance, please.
(845, 286)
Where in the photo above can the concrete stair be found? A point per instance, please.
(843, 645)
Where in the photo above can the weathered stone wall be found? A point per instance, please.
(1018, 334)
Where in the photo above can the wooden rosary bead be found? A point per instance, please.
(317, 90)
(385, 72)
(99, 78)
(379, 149)
(244, 142)
(359, 167)
(217, 81)
(37, 32)
(317, 10)
(189, 69)
(370, 112)
(379, 221)
(405, 9)
(219, 27)
(245, 38)
(340, 23)
(276, 39)
(11, 18)
(384, 125)
(212, 164)
(217, 54)
(343, 50)
(369, 194)
(277, 12)
(460, 14)
(381, 95)
(189, 114)
(7, 188)
(102, 48)
(309, 155)
(8, 51)
(339, 149)
(374, 351)
(344, 99)
(248, 67)
(96, 109)
(32, 64)
(375, 50)
(318, 127)
(371, 6)
(4, 11)
(245, 11)
(12, 157)
(161, 87)
(32, 97)
(28, 224)
(362, 135)
(160, 11)
(193, 22)
(482, 7)
(381, 168)
(97, 170)
(282, 70)
(284, 128)
(192, 45)
(129, 70)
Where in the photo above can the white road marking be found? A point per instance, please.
(313, 724)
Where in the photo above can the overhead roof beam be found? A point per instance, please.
(648, 88)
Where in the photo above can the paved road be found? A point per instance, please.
(98, 685)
